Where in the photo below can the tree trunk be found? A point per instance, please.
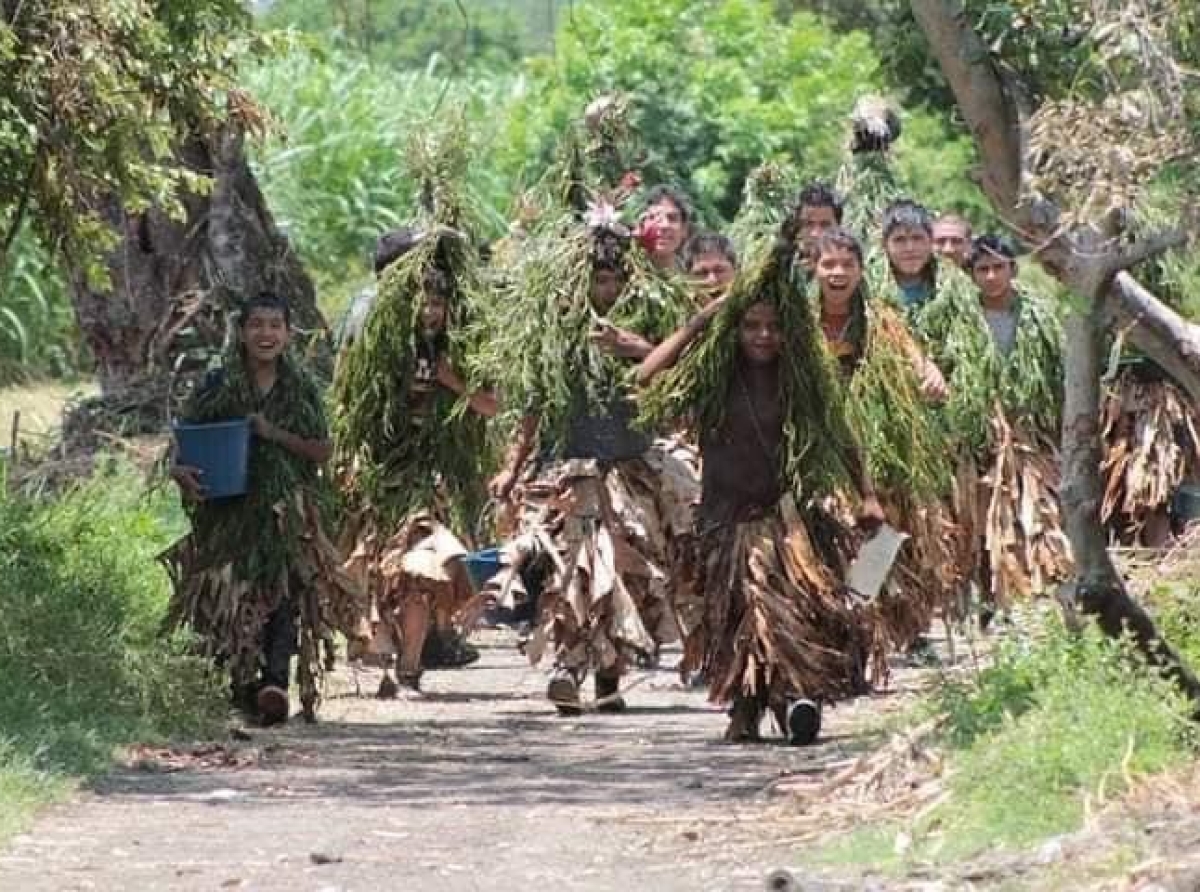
(174, 285)
(1099, 590)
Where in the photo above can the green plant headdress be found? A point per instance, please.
(391, 460)
(534, 340)
(819, 454)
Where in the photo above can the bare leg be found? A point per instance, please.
(414, 627)
(387, 685)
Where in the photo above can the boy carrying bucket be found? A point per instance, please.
(256, 579)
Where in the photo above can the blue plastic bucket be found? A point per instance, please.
(221, 450)
(1185, 504)
(482, 565)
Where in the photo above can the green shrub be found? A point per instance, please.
(81, 606)
(1051, 722)
(1054, 721)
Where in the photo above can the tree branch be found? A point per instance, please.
(1149, 246)
(1156, 330)
(979, 91)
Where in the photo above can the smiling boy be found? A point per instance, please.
(256, 579)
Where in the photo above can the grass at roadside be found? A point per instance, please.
(1055, 725)
(85, 668)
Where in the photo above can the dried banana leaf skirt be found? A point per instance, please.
(777, 620)
(421, 561)
(609, 539)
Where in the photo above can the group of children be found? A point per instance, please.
(699, 438)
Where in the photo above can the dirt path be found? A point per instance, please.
(477, 786)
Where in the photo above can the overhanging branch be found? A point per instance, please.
(1147, 247)
(1156, 330)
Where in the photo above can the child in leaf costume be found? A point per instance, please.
(410, 445)
(595, 496)
(1002, 347)
(779, 630)
(1151, 432)
(256, 571)
(889, 386)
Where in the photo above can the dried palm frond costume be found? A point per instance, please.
(410, 454)
(262, 559)
(1007, 410)
(600, 489)
(777, 622)
(1151, 434)
(904, 446)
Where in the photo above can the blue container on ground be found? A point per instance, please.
(1185, 504)
(221, 450)
(482, 565)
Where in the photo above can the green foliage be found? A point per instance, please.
(1056, 719)
(397, 463)
(719, 86)
(84, 665)
(94, 96)
(533, 337)
(1052, 720)
(334, 178)
(413, 33)
(37, 326)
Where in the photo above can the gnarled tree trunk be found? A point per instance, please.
(174, 285)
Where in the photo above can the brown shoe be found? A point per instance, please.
(272, 705)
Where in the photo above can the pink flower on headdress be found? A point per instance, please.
(602, 215)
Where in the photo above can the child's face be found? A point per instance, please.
(606, 288)
(265, 334)
(838, 273)
(815, 221)
(712, 271)
(433, 314)
(667, 216)
(993, 273)
(909, 249)
(760, 334)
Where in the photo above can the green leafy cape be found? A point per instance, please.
(819, 452)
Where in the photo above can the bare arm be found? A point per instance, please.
(482, 402)
(621, 342)
(668, 352)
(501, 485)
